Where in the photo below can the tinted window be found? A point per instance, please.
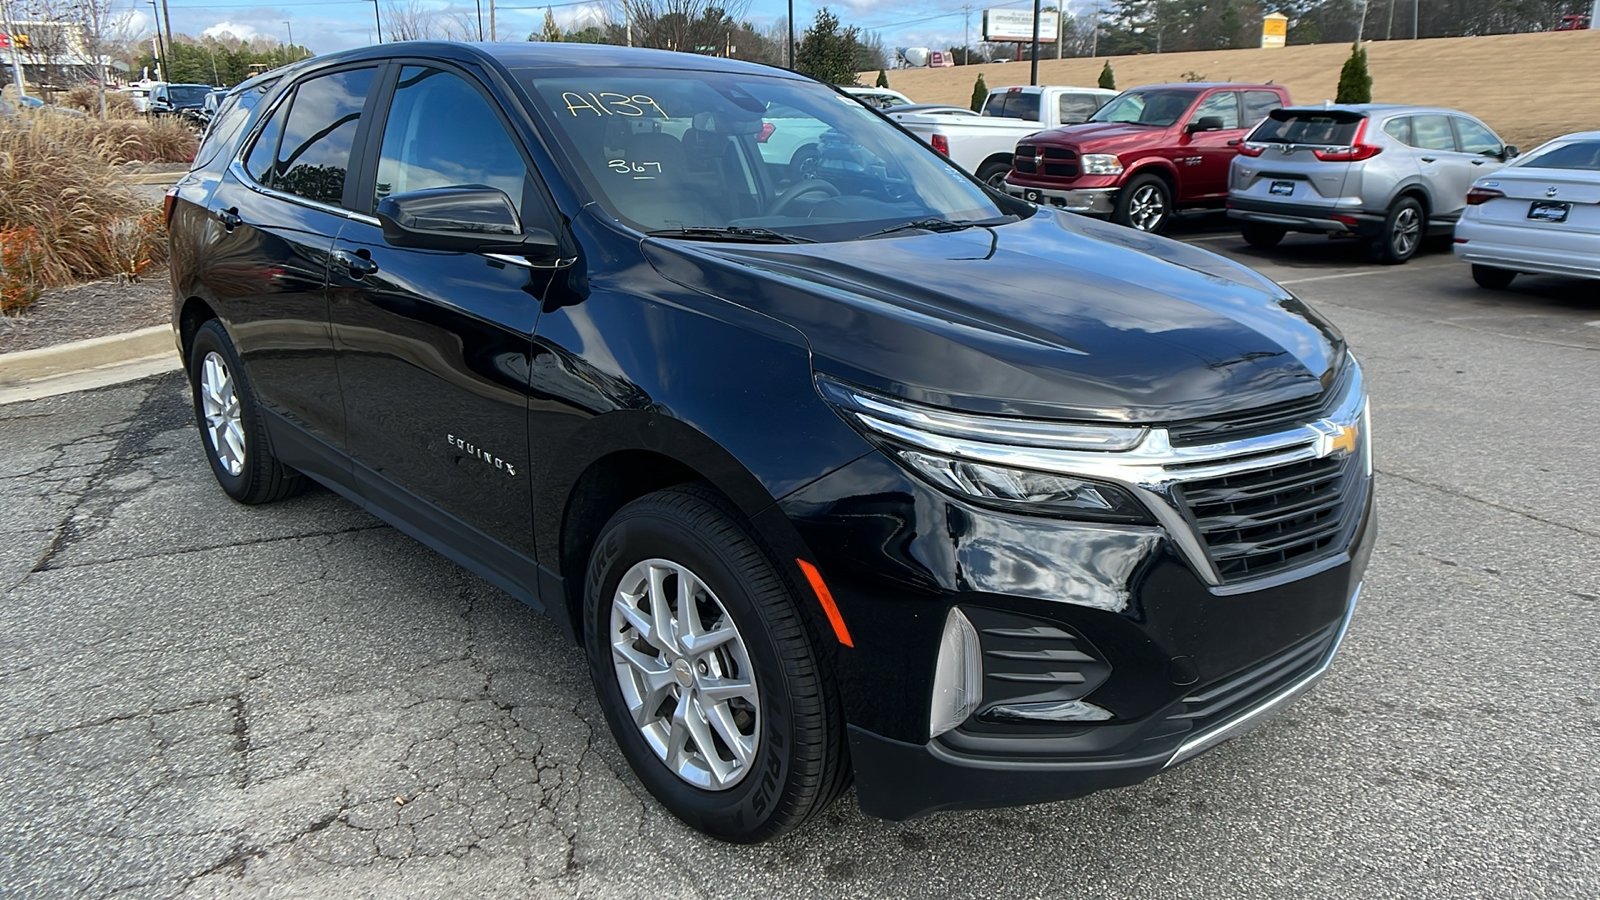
(228, 124)
(1013, 105)
(1258, 104)
(1399, 129)
(1576, 155)
(1308, 126)
(420, 153)
(1224, 105)
(262, 152)
(1158, 108)
(1077, 108)
(314, 155)
(1475, 138)
(1432, 132)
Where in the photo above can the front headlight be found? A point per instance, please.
(944, 448)
(1100, 164)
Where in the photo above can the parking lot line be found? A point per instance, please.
(1374, 271)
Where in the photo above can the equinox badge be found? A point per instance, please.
(474, 450)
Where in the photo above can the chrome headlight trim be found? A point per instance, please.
(1140, 459)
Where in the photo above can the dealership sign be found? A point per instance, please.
(1013, 25)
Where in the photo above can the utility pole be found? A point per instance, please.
(494, 35)
(1094, 41)
(168, 16)
(377, 20)
(791, 35)
(162, 65)
(1414, 20)
(627, 20)
(16, 60)
(479, 4)
(291, 34)
(1361, 26)
(1033, 76)
(966, 36)
(1061, 31)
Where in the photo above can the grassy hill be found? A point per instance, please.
(1528, 87)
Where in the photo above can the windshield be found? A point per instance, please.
(1160, 108)
(1576, 155)
(187, 94)
(669, 149)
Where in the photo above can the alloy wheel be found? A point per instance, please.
(1407, 230)
(685, 674)
(219, 401)
(1147, 208)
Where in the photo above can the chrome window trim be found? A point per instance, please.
(1150, 468)
(236, 168)
(1259, 713)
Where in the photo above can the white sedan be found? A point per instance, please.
(1539, 214)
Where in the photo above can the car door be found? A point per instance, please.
(276, 212)
(1483, 152)
(434, 346)
(1204, 156)
(1447, 171)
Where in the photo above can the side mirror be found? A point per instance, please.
(467, 219)
(1205, 123)
(1510, 151)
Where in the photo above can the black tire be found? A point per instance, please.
(1403, 230)
(260, 477)
(799, 764)
(1144, 204)
(1262, 237)
(1491, 277)
(994, 174)
(803, 165)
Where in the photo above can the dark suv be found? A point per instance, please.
(864, 470)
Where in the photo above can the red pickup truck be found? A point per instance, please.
(1146, 154)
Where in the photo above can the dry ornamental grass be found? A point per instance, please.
(64, 215)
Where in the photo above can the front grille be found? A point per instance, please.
(1058, 161)
(1221, 700)
(1268, 520)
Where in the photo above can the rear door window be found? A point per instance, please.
(313, 155)
(1223, 105)
(1259, 104)
(1014, 105)
(1075, 108)
(1432, 132)
(1475, 138)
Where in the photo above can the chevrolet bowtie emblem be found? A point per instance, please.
(1345, 439)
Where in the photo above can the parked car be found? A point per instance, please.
(876, 97)
(984, 147)
(139, 96)
(812, 505)
(929, 109)
(175, 99)
(1388, 174)
(39, 106)
(1539, 214)
(1146, 155)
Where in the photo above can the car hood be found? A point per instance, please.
(1055, 316)
(1094, 135)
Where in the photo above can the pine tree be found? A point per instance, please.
(551, 32)
(1108, 78)
(980, 93)
(883, 79)
(1355, 84)
(828, 52)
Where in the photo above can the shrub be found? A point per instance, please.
(64, 215)
(980, 93)
(1108, 78)
(1355, 84)
(883, 79)
(1193, 77)
(118, 104)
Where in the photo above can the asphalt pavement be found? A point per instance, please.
(199, 699)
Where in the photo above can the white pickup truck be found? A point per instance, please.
(983, 146)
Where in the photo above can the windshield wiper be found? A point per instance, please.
(732, 233)
(941, 225)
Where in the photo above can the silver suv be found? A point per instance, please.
(1389, 174)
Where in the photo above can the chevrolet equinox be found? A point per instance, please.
(857, 471)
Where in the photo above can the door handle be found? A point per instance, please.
(1429, 158)
(359, 263)
(1234, 143)
(1477, 162)
(229, 218)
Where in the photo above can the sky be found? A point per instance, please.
(328, 25)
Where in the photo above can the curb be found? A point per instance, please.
(64, 359)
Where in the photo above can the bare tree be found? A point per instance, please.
(99, 29)
(409, 21)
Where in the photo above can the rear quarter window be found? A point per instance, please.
(229, 125)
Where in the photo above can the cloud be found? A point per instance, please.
(237, 29)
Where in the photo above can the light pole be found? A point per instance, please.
(16, 61)
(791, 35)
(1033, 76)
(291, 35)
(162, 63)
(376, 20)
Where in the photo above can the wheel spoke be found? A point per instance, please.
(700, 729)
(740, 743)
(627, 606)
(661, 610)
(721, 690)
(706, 641)
(688, 621)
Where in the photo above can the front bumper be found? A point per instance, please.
(1312, 219)
(1090, 201)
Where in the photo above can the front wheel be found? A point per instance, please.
(706, 670)
(1144, 205)
(1491, 277)
(994, 175)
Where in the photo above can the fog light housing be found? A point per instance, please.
(958, 675)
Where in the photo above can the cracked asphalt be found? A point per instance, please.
(203, 700)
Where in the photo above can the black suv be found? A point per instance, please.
(863, 470)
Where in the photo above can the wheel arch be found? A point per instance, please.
(194, 313)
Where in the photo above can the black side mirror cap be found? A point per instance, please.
(1511, 151)
(1205, 123)
(466, 219)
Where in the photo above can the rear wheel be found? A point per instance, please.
(1262, 237)
(706, 671)
(1145, 205)
(1491, 277)
(1402, 233)
(231, 428)
(994, 174)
